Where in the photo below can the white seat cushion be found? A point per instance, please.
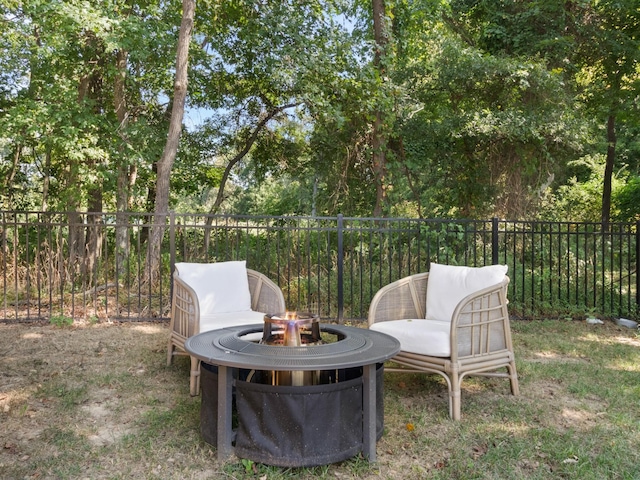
(234, 319)
(221, 287)
(449, 284)
(424, 337)
(230, 319)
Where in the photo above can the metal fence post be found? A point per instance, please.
(638, 264)
(340, 259)
(172, 241)
(172, 251)
(494, 241)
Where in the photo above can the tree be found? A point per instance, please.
(165, 163)
(81, 109)
(456, 108)
(245, 149)
(608, 36)
(479, 133)
(595, 45)
(282, 61)
(381, 35)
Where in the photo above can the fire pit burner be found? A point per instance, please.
(294, 329)
(357, 355)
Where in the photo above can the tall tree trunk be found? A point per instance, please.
(123, 185)
(93, 237)
(379, 136)
(165, 163)
(72, 195)
(608, 172)
(7, 183)
(94, 232)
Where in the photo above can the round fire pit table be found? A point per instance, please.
(356, 347)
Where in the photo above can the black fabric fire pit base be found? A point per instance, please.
(294, 426)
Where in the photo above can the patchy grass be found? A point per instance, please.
(97, 401)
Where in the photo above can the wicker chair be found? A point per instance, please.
(188, 317)
(476, 340)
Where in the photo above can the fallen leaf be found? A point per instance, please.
(479, 451)
(529, 464)
(11, 448)
(440, 464)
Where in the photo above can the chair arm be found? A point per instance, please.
(185, 309)
(266, 295)
(403, 299)
(480, 322)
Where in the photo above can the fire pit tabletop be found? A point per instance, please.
(356, 347)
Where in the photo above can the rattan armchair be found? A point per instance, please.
(188, 319)
(476, 340)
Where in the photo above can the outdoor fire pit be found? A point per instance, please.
(307, 394)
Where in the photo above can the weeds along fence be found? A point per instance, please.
(93, 266)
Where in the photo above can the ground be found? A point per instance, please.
(97, 377)
(98, 401)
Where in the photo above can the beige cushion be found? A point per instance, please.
(449, 284)
(221, 287)
(233, 319)
(425, 337)
(229, 319)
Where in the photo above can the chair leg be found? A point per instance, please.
(513, 378)
(170, 349)
(454, 396)
(194, 379)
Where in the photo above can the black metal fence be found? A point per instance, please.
(92, 266)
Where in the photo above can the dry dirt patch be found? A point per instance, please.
(94, 381)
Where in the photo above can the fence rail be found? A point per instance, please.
(92, 266)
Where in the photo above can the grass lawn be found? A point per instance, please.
(98, 402)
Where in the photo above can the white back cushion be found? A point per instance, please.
(221, 287)
(449, 284)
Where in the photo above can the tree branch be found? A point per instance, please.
(245, 149)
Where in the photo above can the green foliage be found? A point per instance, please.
(60, 111)
(272, 196)
(248, 465)
(487, 105)
(485, 132)
(580, 199)
(627, 201)
(61, 321)
(518, 28)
